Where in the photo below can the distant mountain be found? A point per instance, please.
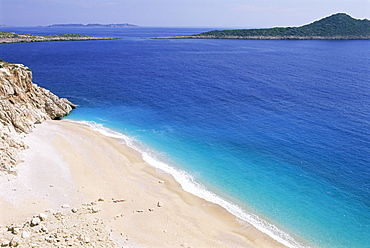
(336, 26)
(94, 25)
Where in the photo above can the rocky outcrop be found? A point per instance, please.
(75, 228)
(22, 105)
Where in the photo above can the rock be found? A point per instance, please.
(42, 216)
(151, 209)
(5, 243)
(86, 239)
(101, 199)
(74, 210)
(161, 182)
(65, 206)
(70, 243)
(49, 239)
(35, 221)
(22, 105)
(94, 209)
(65, 230)
(14, 229)
(44, 229)
(15, 241)
(159, 204)
(139, 211)
(25, 234)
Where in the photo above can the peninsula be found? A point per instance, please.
(8, 37)
(338, 26)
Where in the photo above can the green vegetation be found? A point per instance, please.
(6, 37)
(337, 26)
(4, 63)
(14, 35)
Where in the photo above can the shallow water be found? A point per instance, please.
(277, 130)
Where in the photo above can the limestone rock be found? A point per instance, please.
(25, 234)
(5, 242)
(42, 216)
(94, 210)
(35, 221)
(22, 105)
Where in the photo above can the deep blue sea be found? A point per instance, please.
(277, 132)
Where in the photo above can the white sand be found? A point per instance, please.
(68, 163)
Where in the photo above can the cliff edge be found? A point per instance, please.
(22, 105)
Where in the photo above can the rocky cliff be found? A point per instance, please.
(22, 105)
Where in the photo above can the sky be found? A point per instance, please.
(178, 13)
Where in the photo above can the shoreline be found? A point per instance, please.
(42, 39)
(69, 163)
(10, 37)
(189, 185)
(261, 37)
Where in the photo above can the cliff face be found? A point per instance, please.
(22, 105)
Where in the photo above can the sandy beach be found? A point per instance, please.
(71, 168)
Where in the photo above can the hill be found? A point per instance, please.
(7, 37)
(336, 26)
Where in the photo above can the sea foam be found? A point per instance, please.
(188, 184)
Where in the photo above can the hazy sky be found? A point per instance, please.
(188, 13)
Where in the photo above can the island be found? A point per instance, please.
(94, 25)
(340, 26)
(9, 37)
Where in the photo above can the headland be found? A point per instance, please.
(8, 37)
(338, 26)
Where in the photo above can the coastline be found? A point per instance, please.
(69, 163)
(260, 37)
(43, 39)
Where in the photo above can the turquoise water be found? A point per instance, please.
(275, 131)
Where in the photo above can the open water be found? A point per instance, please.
(277, 132)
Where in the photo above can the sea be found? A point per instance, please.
(275, 131)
